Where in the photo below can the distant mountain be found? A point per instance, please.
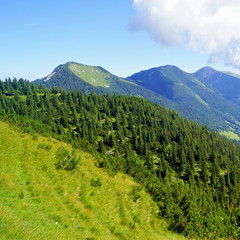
(74, 76)
(71, 76)
(231, 74)
(204, 96)
(226, 84)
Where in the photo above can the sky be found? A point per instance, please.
(123, 36)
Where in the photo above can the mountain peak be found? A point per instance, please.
(207, 70)
(169, 67)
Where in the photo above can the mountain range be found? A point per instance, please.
(208, 96)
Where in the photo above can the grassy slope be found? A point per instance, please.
(230, 135)
(94, 75)
(39, 202)
(90, 74)
(232, 74)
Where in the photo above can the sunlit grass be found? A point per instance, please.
(230, 135)
(37, 201)
(92, 75)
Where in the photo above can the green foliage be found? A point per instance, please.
(96, 182)
(65, 160)
(93, 75)
(135, 193)
(168, 85)
(201, 90)
(192, 173)
(45, 146)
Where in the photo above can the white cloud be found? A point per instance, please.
(212, 26)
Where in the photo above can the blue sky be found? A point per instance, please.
(38, 35)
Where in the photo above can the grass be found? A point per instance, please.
(132, 83)
(90, 74)
(37, 201)
(230, 135)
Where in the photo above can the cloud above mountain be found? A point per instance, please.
(210, 26)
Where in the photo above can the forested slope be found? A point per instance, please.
(192, 173)
(194, 95)
(88, 79)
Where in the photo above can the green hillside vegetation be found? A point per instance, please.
(168, 86)
(65, 78)
(191, 173)
(93, 75)
(88, 79)
(193, 97)
(226, 84)
(230, 135)
(39, 201)
(96, 76)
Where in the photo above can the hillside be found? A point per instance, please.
(38, 201)
(227, 84)
(231, 74)
(191, 173)
(168, 86)
(194, 97)
(74, 76)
